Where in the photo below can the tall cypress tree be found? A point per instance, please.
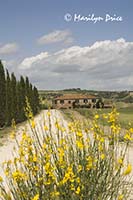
(19, 103)
(22, 93)
(36, 100)
(31, 100)
(27, 88)
(8, 99)
(13, 97)
(2, 95)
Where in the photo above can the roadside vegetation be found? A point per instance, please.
(78, 161)
(125, 117)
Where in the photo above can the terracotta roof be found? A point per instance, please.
(74, 96)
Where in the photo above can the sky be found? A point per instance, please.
(62, 44)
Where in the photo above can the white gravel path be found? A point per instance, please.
(6, 150)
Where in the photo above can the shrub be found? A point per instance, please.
(74, 161)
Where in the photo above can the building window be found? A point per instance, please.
(69, 102)
(61, 101)
(55, 101)
(94, 100)
(85, 100)
(77, 101)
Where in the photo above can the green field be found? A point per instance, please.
(125, 114)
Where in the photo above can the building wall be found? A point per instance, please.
(69, 103)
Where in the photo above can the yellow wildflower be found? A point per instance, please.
(127, 137)
(57, 125)
(1, 179)
(55, 194)
(102, 139)
(36, 197)
(34, 158)
(78, 180)
(48, 114)
(100, 147)
(79, 144)
(96, 116)
(72, 187)
(79, 133)
(120, 197)
(44, 146)
(33, 124)
(78, 190)
(131, 130)
(19, 176)
(79, 168)
(105, 116)
(128, 169)
(12, 135)
(90, 163)
(120, 161)
(69, 175)
(102, 156)
(45, 128)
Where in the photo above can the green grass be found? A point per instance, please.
(68, 114)
(125, 117)
(88, 113)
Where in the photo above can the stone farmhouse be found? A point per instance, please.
(74, 101)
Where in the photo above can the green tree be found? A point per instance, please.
(13, 97)
(99, 103)
(2, 95)
(21, 98)
(27, 87)
(8, 99)
(35, 100)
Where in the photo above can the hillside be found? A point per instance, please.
(113, 96)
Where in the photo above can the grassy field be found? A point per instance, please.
(125, 117)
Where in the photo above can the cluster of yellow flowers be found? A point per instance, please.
(79, 161)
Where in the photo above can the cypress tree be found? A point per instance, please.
(2, 95)
(31, 97)
(13, 97)
(8, 99)
(27, 88)
(36, 100)
(22, 93)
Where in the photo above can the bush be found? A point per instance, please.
(78, 161)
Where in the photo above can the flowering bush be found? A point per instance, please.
(78, 161)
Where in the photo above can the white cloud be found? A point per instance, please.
(104, 65)
(8, 48)
(28, 62)
(56, 36)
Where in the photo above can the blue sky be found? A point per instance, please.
(25, 23)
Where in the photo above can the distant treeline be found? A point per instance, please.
(13, 94)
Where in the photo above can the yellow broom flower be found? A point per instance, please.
(128, 169)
